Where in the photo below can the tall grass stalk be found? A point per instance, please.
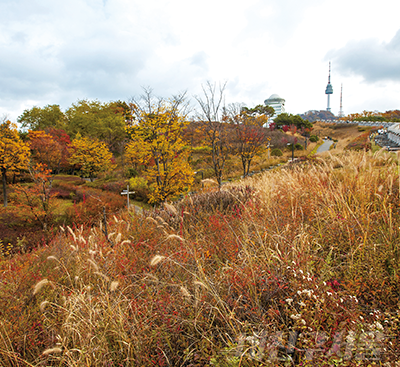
(306, 248)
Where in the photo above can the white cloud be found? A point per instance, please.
(57, 52)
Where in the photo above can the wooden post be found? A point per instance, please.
(105, 231)
(126, 192)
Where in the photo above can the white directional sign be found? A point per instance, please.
(126, 192)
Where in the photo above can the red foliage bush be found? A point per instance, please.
(362, 142)
(90, 208)
(116, 187)
(61, 193)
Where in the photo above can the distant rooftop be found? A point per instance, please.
(273, 98)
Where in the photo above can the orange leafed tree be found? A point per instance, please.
(90, 155)
(14, 153)
(393, 115)
(45, 149)
(62, 138)
(38, 197)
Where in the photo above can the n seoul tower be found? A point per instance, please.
(329, 89)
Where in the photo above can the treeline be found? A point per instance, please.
(388, 116)
(153, 135)
(91, 119)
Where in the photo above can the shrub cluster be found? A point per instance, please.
(276, 152)
(88, 209)
(140, 187)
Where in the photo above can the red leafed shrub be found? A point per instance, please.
(61, 193)
(362, 142)
(89, 210)
(116, 187)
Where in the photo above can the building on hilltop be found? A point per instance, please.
(314, 115)
(277, 103)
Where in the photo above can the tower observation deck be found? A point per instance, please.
(329, 89)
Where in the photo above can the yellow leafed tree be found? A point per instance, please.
(14, 153)
(90, 155)
(157, 145)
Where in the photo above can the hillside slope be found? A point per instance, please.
(298, 264)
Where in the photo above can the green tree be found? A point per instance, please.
(96, 120)
(90, 155)
(14, 153)
(289, 119)
(259, 110)
(38, 118)
(157, 145)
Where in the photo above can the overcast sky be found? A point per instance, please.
(58, 52)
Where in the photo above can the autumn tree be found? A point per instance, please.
(157, 145)
(91, 156)
(251, 137)
(96, 120)
(123, 108)
(212, 119)
(366, 116)
(45, 149)
(38, 197)
(41, 118)
(392, 115)
(14, 153)
(63, 139)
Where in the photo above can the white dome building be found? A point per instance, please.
(277, 103)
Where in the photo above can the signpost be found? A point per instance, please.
(126, 192)
(269, 149)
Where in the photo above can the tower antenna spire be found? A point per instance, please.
(329, 89)
(329, 76)
(341, 113)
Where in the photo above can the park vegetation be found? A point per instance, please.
(60, 167)
(297, 265)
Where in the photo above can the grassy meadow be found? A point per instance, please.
(298, 266)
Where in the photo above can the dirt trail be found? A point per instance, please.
(343, 134)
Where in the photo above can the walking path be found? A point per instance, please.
(325, 146)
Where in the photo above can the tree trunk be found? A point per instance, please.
(219, 178)
(244, 167)
(4, 179)
(248, 167)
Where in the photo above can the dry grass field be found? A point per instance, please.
(344, 134)
(298, 266)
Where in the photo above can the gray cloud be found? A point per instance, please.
(374, 61)
(59, 52)
(276, 20)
